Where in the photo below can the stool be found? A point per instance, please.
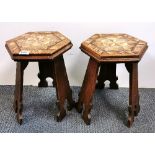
(105, 50)
(47, 49)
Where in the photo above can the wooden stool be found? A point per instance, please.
(105, 50)
(47, 48)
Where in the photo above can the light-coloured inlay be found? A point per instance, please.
(115, 44)
(37, 41)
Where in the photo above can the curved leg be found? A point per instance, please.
(18, 105)
(87, 90)
(62, 87)
(134, 107)
(107, 72)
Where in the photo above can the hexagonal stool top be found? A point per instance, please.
(44, 45)
(104, 47)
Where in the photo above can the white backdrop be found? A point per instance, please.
(76, 61)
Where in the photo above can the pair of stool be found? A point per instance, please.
(105, 51)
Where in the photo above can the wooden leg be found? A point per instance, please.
(71, 102)
(87, 90)
(44, 72)
(134, 107)
(62, 87)
(107, 72)
(18, 105)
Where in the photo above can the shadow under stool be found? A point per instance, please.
(47, 49)
(105, 51)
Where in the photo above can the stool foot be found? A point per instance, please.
(132, 113)
(19, 119)
(86, 118)
(86, 113)
(19, 115)
(60, 115)
(130, 121)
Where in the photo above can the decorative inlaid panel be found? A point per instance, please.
(114, 45)
(37, 43)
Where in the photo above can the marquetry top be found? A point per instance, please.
(38, 45)
(111, 47)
